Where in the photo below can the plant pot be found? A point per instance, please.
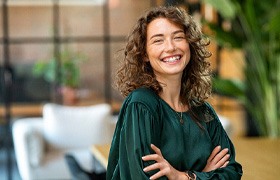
(69, 95)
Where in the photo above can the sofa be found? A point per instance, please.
(41, 143)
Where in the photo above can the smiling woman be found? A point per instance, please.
(166, 129)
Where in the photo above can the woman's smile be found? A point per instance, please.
(172, 59)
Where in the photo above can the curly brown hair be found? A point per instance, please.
(135, 72)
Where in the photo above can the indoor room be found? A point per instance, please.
(58, 66)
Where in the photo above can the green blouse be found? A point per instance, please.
(146, 119)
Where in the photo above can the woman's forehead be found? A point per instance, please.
(162, 25)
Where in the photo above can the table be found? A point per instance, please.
(31, 110)
(23, 110)
(259, 157)
(101, 153)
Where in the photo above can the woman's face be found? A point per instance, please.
(167, 48)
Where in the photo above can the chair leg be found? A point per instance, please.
(76, 170)
(98, 176)
(78, 173)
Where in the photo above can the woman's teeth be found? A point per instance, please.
(172, 59)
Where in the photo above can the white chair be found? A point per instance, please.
(41, 143)
(226, 125)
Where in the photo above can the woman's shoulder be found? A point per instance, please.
(205, 111)
(145, 96)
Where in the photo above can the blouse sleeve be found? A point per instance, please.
(138, 131)
(233, 171)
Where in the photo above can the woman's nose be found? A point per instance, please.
(170, 46)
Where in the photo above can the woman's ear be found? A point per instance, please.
(146, 59)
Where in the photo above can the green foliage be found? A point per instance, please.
(255, 27)
(229, 87)
(225, 8)
(67, 68)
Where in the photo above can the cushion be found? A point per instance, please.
(35, 147)
(75, 126)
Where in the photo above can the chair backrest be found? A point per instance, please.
(75, 126)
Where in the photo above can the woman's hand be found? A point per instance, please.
(165, 169)
(217, 159)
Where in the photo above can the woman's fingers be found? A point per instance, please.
(165, 169)
(222, 161)
(151, 157)
(152, 167)
(218, 159)
(225, 164)
(214, 152)
(156, 149)
(156, 157)
(219, 156)
(158, 175)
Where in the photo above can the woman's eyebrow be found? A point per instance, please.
(156, 35)
(178, 31)
(161, 35)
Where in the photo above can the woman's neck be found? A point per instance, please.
(171, 89)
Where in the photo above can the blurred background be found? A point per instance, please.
(52, 49)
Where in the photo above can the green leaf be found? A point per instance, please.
(225, 7)
(229, 87)
(225, 38)
(68, 68)
(251, 15)
(39, 68)
(274, 23)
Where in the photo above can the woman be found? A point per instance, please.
(166, 130)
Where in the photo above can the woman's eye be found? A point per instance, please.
(179, 37)
(158, 40)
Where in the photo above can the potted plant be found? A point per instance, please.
(64, 72)
(254, 29)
